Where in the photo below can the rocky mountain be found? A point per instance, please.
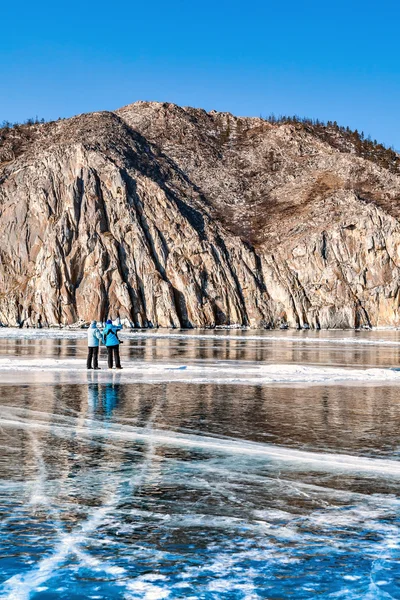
(170, 216)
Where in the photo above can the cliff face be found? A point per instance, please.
(176, 217)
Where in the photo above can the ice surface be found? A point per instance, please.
(220, 372)
(144, 484)
(357, 338)
(295, 458)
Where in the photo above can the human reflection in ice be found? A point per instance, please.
(110, 398)
(102, 398)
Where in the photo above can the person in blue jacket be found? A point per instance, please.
(94, 337)
(110, 339)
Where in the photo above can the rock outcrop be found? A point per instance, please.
(171, 217)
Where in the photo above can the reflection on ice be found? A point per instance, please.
(388, 337)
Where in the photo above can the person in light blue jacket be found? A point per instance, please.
(94, 337)
(110, 339)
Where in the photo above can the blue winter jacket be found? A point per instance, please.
(110, 335)
(94, 336)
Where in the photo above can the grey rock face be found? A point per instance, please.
(175, 217)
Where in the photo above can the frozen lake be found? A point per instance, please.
(216, 465)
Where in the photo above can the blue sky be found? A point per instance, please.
(335, 60)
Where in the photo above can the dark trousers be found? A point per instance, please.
(113, 350)
(93, 353)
